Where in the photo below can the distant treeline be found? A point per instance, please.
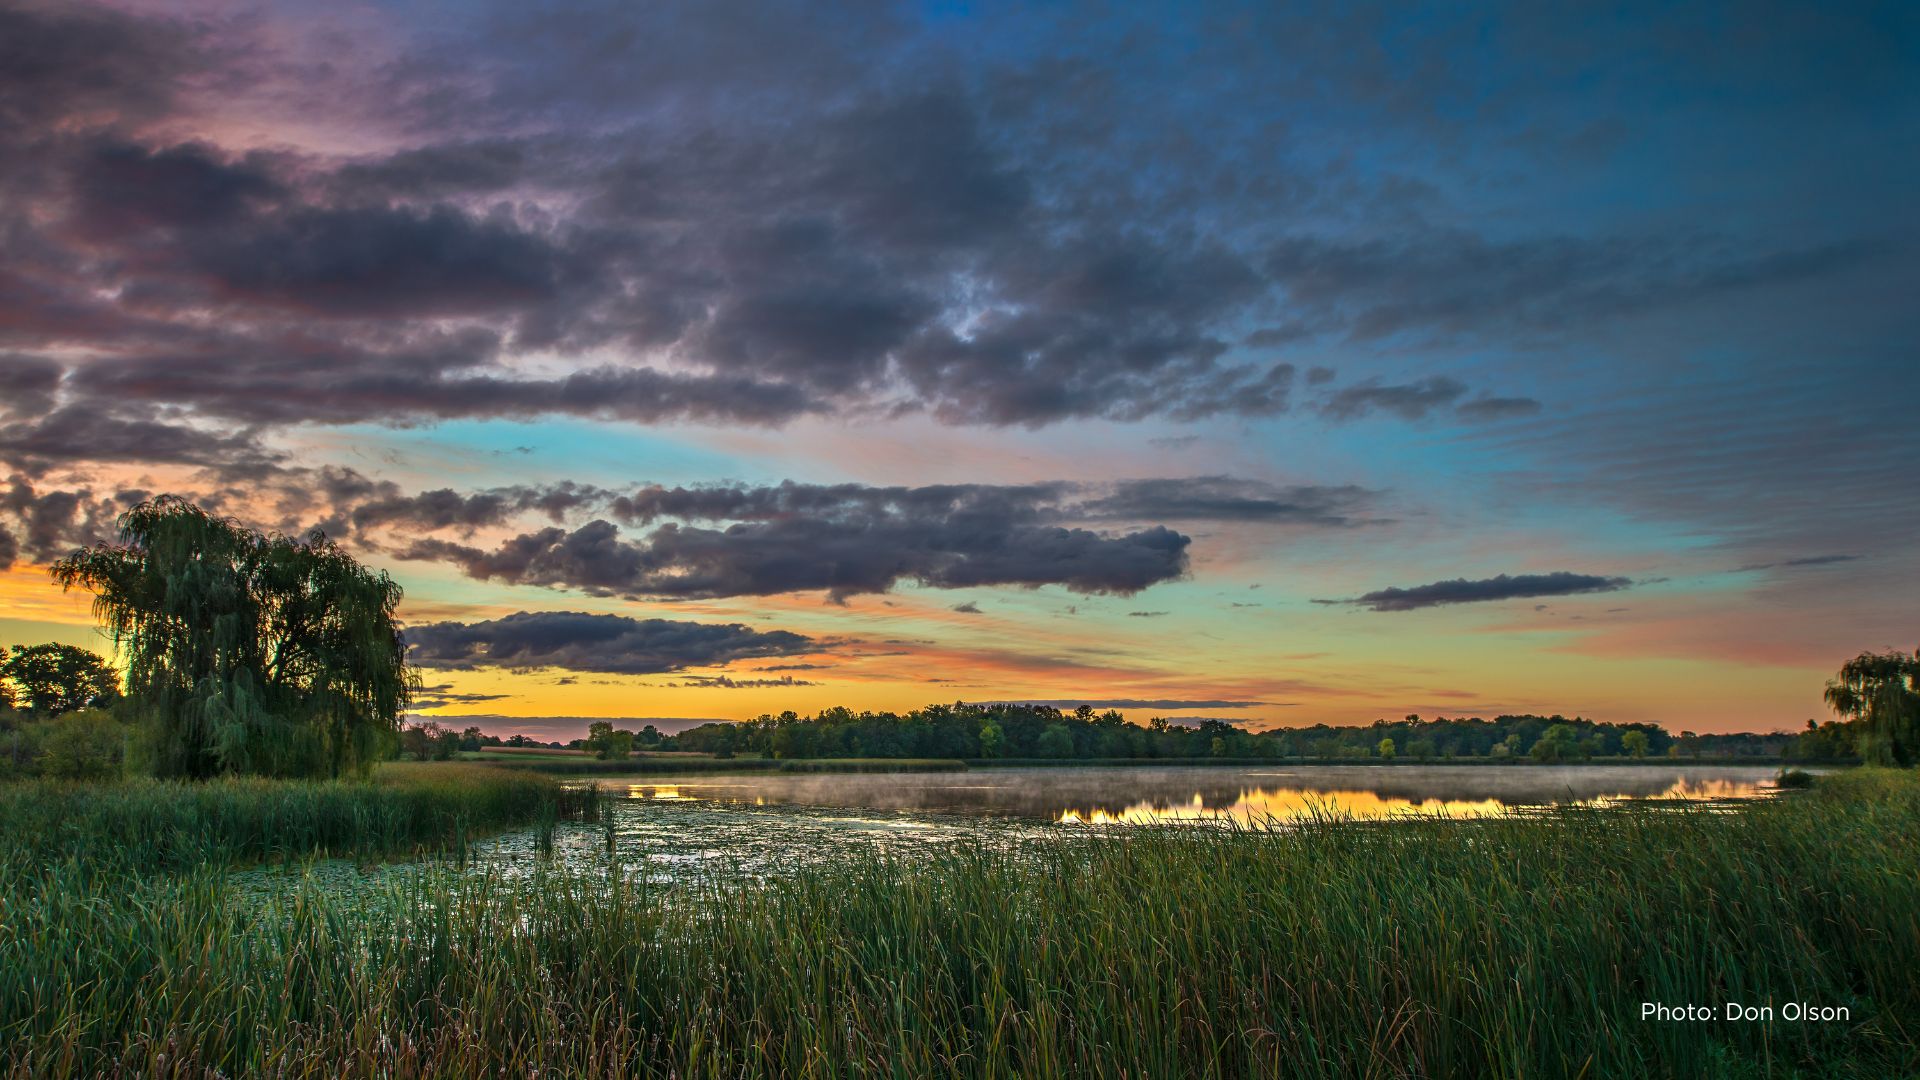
(988, 732)
(1038, 731)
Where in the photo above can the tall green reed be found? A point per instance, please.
(1431, 948)
(152, 825)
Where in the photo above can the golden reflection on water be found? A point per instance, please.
(1255, 806)
(1693, 791)
(670, 792)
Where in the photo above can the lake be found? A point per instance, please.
(667, 829)
(1251, 795)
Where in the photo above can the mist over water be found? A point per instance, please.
(670, 830)
(1255, 794)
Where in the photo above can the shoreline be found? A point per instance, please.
(720, 766)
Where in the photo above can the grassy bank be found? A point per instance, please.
(154, 825)
(1505, 948)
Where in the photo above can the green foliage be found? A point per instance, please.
(84, 744)
(52, 679)
(253, 653)
(1436, 949)
(1385, 749)
(992, 742)
(1831, 741)
(87, 744)
(1014, 731)
(1560, 743)
(1634, 743)
(1881, 693)
(607, 743)
(1791, 779)
(431, 742)
(1055, 742)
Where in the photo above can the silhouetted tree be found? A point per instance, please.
(1878, 692)
(251, 652)
(607, 743)
(54, 679)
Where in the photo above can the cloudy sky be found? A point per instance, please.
(1280, 363)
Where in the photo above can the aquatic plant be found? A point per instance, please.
(1511, 947)
(143, 825)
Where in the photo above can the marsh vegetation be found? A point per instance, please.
(1505, 946)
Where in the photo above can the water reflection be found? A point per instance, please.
(1176, 795)
(1259, 806)
(674, 829)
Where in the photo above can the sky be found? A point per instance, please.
(1278, 363)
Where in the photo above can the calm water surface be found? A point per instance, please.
(1174, 795)
(666, 829)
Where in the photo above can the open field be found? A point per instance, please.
(1507, 947)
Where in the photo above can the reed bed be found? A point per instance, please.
(1503, 948)
(147, 825)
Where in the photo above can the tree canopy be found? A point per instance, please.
(1017, 730)
(251, 653)
(52, 679)
(1881, 692)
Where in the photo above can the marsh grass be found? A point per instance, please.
(146, 825)
(1503, 948)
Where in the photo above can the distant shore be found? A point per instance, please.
(680, 764)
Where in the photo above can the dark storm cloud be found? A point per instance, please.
(1501, 587)
(358, 502)
(122, 187)
(848, 539)
(447, 378)
(441, 695)
(378, 262)
(59, 61)
(843, 558)
(790, 499)
(27, 384)
(1201, 498)
(659, 213)
(44, 525)
(92, 431)
(851, 245)
(580, 641)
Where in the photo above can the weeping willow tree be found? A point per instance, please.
(252, 653)
(1881, 692)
